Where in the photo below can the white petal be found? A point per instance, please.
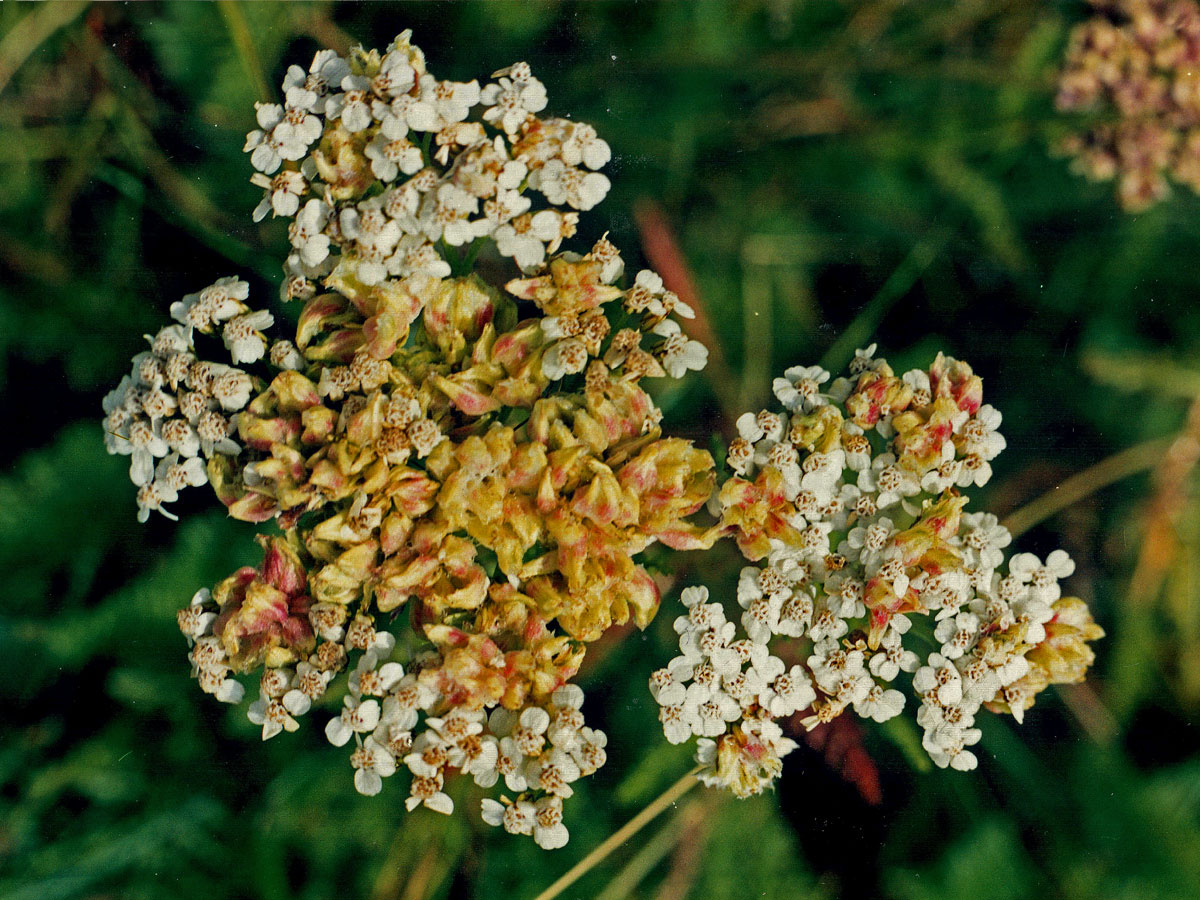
(367, 782)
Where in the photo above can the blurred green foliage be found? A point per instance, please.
(835, 173)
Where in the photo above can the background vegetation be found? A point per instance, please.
(832, 173)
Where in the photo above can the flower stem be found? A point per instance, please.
(243, 42)
(30, 32)
(1108, 471)
(621, 835)
(899, 283)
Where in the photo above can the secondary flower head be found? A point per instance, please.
(1132, 67)
(849, 502)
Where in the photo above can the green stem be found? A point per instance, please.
(470, 255)
(621, 835)
(243, 41)
(868, 320)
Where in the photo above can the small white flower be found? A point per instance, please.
(554, 772)
(152, 496)
(517, 818)
(144, 445)
(375, 682)
(789, 692)
(311, 91)
(372, 763)
(296, 132)
(889, 482)
(548, 831)
(981, 435)
(530, 732)
(309, 684)
(402, 706)
(864, 360)
(947, 747)
(567, 719)
(243, 336)
(189, 472)
(358, 716)
(858, 454)
(827, 625)
(677, 725)
(710, 712)
(879, 704)
(272, 715)
(822, 476)
(985, 539)
(283, 193)
(844, 594)
(589, 753)
(1042, 579)
(391, 152)
(415, 256)
(583, 146)
(1033, 614)
(195, 621)
(646, 294)
(397, 74)
(957, 635)
(211, 306)
(262, 145)
(918, 380)
(869, 541)
(352, 105)
(180, 435)
(891, 658)
(940, 676)
(761, 617)
(445, 215)
(307, 233)
(284, 355)
(667, 686)
(945, 475)
(427, 791)
(679, 353)
(231, 388)
(449, 101)
(512, 100)
(795, 614)
(945, 591)
(575, 187)
(565, 357)
(980, 681)
(799, 390)
(974, 471)
(527, 248)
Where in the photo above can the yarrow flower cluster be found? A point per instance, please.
(1136, 65)
(464, 472)
(176, 408)
(849, 502)
(381, 166)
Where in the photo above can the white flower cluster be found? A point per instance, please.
(210, 664)
(718, 681)
(575, 328)
(388, 714)
(539, 751)
(455, 162)
(983, 650)
(850, 501)
(175, 407)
